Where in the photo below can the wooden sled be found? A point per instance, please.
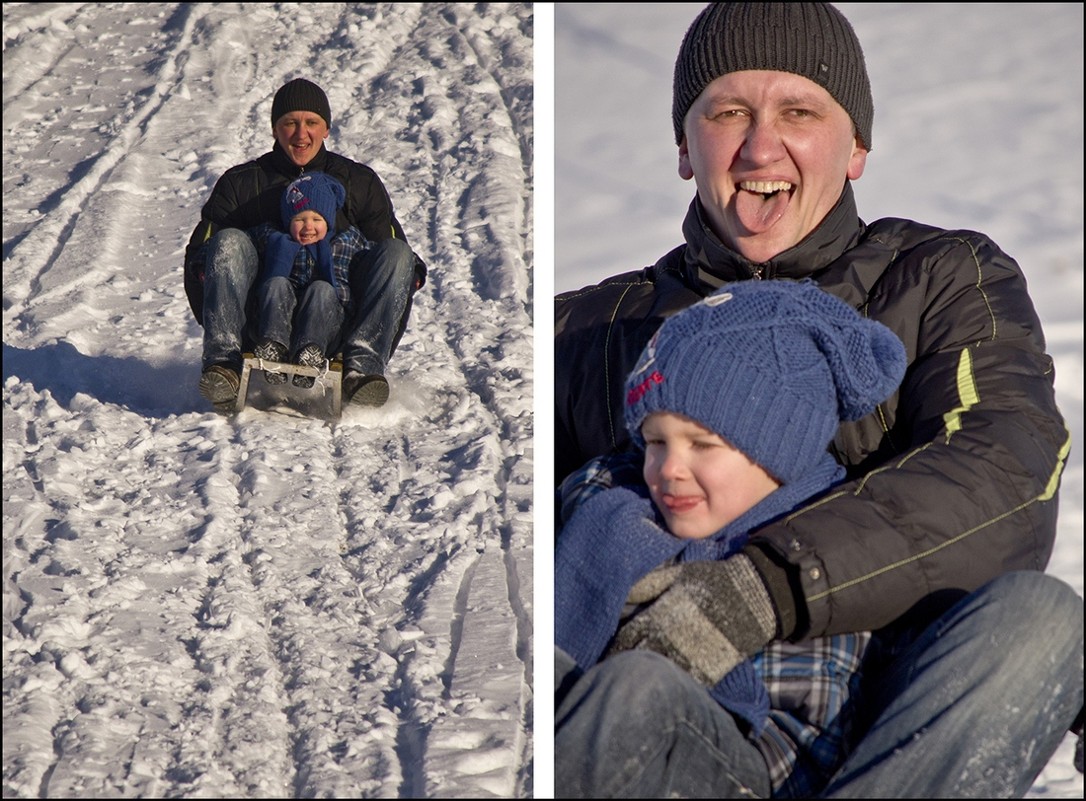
(327, 385)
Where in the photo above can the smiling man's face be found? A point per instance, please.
(769, 152)
(300, 134)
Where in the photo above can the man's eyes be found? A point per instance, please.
(735, 113)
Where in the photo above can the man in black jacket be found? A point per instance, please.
(937, 541)
(221, 263)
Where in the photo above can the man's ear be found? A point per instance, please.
(686, 172)
(857, 161)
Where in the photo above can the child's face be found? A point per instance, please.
(308, 227)
(698, 481)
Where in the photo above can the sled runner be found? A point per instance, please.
(326, 389)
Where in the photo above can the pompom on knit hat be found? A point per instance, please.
(301, 95)
(772, 367)
(313, 191)
(813, 40)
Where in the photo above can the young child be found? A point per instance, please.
(733, 403)
(304, 294)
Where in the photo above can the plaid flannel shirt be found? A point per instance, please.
(809, 730)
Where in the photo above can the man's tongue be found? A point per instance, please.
(758, 211)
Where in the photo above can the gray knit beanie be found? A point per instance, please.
(809, 39)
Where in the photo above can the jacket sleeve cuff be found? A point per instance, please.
(782, 588)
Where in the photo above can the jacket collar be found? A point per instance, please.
(282, 163)
(710, 263)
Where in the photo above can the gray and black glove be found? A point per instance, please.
(706, 617)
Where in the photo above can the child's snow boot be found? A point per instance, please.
(309, 356)
(271, 351)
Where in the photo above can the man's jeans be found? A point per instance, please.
(381, 282)
(230, 317)
(974, 707)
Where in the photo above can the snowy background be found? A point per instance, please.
(978, 124)
(268, 605)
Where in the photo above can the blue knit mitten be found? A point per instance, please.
(609, 543)
(279, 255)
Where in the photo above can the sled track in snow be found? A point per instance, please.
(62, 209)
(297, 636)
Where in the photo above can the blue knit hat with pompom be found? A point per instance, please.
(773, 367)
(313, 191)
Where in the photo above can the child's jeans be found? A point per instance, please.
(315, 313)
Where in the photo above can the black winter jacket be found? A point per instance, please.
(249, 194)
(952, 481)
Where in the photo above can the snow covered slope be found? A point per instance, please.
(266, 605)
